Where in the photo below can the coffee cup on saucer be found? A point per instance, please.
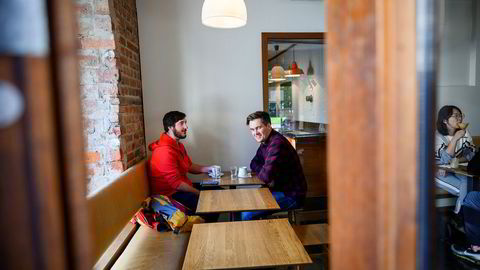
(242, 172)
(215, 171)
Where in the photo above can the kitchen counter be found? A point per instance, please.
(311, 146)
(302, 133)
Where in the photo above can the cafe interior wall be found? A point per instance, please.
(459, 72)
(213, 75)
(312, 84)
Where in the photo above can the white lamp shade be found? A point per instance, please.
(224, 13)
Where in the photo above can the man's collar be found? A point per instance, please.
(267, 141)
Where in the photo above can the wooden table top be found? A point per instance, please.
(236, 200)
(244, 244)
(461, 170)
(226, 180)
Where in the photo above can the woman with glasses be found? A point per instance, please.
(451, 142)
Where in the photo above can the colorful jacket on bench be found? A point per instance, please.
(161, 213)
(168, 166)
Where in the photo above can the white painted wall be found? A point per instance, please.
(213, 75)
(459, 74)
(315, 85)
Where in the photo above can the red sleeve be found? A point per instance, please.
(166, 166)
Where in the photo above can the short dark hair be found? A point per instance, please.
(264, 116)
(171, 118)
(443, 114)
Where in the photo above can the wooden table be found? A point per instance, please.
(236, 200)
(227, 181)
(462, 170)
(244, 244)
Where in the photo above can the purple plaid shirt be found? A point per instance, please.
(277, 164)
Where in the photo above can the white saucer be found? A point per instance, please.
(211, 175)
(245, 176)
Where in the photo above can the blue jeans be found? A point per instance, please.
(190, 200)
(461, 182)
(285, 203)
(471, 216)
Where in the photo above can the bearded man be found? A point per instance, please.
(170, 163)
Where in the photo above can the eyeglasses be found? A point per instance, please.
(458, 116)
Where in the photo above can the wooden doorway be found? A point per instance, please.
(42, 191)
(373, 135)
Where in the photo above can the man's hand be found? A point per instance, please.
(196, 168)
(186, 188)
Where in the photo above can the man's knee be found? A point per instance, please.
(472, 200)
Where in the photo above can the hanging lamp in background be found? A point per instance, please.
(278, 73)
(224, 13)
(293, 69)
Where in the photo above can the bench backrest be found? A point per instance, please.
(476, 140)
(111, 208)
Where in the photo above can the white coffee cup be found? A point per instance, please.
(242, 172)
(215, 171)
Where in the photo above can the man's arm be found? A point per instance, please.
(196, 169)
(272, 161)
(186, 188)
(257, 162)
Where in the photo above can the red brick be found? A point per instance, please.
(117, 165)
(83, 10)
(101, 7)
(88, 61)
(88, 43)
(116, 155)
(92, 157)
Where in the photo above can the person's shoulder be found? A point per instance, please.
(164, 151)
(439, 138)
(278, 139)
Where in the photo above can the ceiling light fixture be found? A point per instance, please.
(294, 70)
(278, 73)
(224, 13)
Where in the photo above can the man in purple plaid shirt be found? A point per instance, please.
(276, 164)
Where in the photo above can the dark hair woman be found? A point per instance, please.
(452, 142)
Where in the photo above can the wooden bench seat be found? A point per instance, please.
(119, 244)
(312, 234)
(149, 249)
(110, 210)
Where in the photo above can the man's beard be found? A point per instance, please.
(178, 135)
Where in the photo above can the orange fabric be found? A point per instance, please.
(169, 166)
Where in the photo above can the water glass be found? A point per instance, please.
(233, 172)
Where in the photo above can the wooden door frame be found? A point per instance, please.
(266, 36)
(43, 189)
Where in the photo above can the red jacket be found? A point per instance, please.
(168, 166)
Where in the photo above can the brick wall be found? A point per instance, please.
(125, 29)
(111, 90)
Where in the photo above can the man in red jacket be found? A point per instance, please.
(170, 163)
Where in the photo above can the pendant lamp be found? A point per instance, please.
(278, 73)
(224, 13)
(294, 70)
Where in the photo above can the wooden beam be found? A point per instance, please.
(372, 134)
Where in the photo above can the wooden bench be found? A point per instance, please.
(312, 234)
(314, 238)
(476, 140)
(119, 244)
